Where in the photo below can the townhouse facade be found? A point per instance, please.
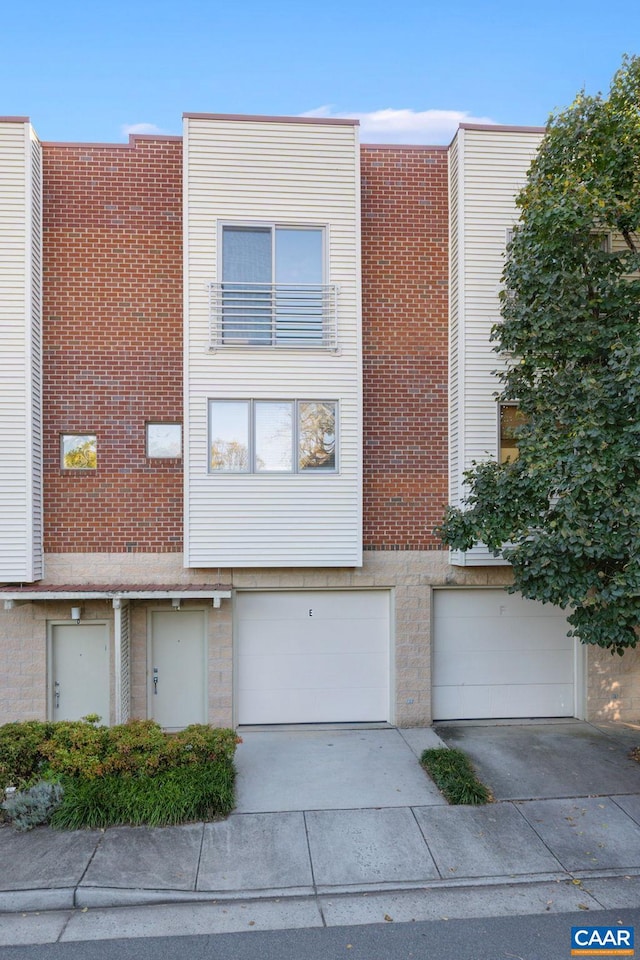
(243, 371)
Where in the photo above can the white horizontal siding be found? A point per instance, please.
(288, 173)
(456, 306)
(492, 170)
(20, 295)
(35, 317)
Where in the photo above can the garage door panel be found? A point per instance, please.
(304, 636)
(552, 700)
(313, 671)
(499, 656)
(497, 702)
(481, 667)
(311, 657)
(324, 605)
(310, 703)
(461, 701)
(491, 603)
(477, 633)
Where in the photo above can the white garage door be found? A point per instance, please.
(313, 657)
(498, 655)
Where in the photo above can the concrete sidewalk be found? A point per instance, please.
(363, 864)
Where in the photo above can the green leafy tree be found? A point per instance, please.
(566, 512)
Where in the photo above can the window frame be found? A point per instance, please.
(296, 470)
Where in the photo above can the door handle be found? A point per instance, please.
(155, 680)
(56, 687)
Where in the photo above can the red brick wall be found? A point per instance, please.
(113, 342)
(405, 309)
(112, 317)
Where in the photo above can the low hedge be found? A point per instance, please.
(201, 791)
(134, 773)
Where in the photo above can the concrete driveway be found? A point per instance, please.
(549, 759)
(333, 769)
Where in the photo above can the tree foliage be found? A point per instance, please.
(566, 512)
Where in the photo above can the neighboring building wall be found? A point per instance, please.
(113, 341)
(20, 350)
(404, 305)
(613, 685)
(488, 167)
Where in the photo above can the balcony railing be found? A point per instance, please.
(295, 315)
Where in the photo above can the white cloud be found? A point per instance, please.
(403, 126)
(129, 128)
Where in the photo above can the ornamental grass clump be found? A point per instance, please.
(172, 796)
(453, 774)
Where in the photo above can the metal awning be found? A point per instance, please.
(14, 595)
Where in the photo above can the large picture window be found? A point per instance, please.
(272, 436)
(272, 290)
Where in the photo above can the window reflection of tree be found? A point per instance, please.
(317, 440)
(229, 455)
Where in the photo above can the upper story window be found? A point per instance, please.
(272, 436)
(511, 417)
(272, 290)
(164, 440)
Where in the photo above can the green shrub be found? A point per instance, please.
(178, 795)
(76, 748)
(134, 748)
(202, 744)
(30, 808)
(132, 773)
(21, 756)
(453, 774)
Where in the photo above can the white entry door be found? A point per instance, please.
(498, 655)
(177, 668)
(79, 671)
(313, 656)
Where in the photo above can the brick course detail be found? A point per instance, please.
(112, 334)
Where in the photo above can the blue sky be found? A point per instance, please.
(409, 69)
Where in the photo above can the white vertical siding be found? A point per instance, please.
(20, 382)
(296, 174)
(490, 165)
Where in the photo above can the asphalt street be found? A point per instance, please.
(543, 937)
